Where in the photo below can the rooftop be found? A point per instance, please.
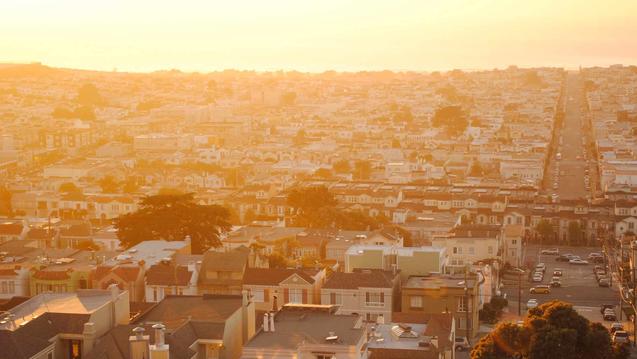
(438, 281)
(308, 324)
(84, 301)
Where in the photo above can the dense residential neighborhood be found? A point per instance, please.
(250, 215)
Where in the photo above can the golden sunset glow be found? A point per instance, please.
(315, 36)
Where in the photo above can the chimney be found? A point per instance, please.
(271, 322)
(138, 344)
(266, 322)
(159, 350)
(114, 291)
(88, 337)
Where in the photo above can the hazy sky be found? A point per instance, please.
(143, 35)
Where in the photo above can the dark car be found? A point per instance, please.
(562, 259)
(606, 306)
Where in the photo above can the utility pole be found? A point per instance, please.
(519, 292)
(621, 278)
(466, 299)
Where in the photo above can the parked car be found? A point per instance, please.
(462, 344)
(540, 289)
(609, 315)
(555, 283)
(615, 327)
(594, 255)
(540, 267)
(578, 261)
(604, 282)
(532, 303)
(551, 251)
(598, 260)
(538, 277)
(620, 337)
(603, 307)
(557, 272)
(563, 258)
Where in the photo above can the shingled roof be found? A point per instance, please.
(168, 274)
(360, 278)
(273, 276)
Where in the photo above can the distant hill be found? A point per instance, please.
(26, 70)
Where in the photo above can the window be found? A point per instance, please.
(325, 356)
(462, 307)
(296, 296)
(514, 241)
(257, 295)
(374, 299)
(415, 301)
(455, 250)
(471, 250)
(154, 294)
(490, 249)
(371, 317)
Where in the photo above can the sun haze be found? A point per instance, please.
(316, 36)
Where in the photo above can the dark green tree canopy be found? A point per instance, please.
(552, 330)
(172, 218)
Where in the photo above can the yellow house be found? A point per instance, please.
(444, 294)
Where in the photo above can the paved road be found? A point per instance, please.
(569, 172)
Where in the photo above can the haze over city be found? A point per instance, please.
(318, 179)
(317, 36)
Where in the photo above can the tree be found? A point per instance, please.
(172, 217)
(88, 95)
(574, 233)
(62, 113)
(341, 166)
(277, 260)
(130, 186)
(69, 188)
(403, 115)
(288, 98)
(362, 170)
(85, 113)
(544, 228)
(323, 173)
(450, 118)
(299, 138)
(552, 330)
(476, 169)
(108, 184)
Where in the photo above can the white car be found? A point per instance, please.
(462, 344)
(621, 336)
(538, 278)
(532, 303)
(578, 261)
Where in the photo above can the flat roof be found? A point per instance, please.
(438, 281)
(84, 301)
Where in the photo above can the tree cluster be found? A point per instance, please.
(491, 312)
(172, 218)
(316, 207)
(452, 119)
(552, 330)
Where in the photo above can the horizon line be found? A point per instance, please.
(289, 69)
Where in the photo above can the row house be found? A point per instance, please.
(271, 288)
(370, 293)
